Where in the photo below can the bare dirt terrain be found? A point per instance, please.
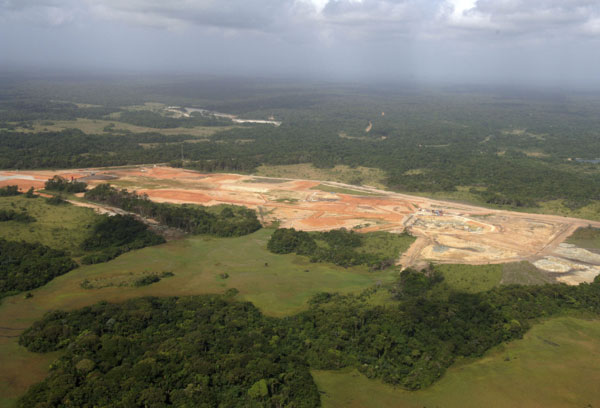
(447, 232)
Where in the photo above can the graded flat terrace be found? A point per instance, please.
(446, 232)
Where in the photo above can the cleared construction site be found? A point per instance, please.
(446, 232)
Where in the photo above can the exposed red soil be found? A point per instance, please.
(449, 232)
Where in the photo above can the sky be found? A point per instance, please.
(467, 41)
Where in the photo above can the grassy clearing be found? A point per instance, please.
(523, 273)
(553, 207)
(588, 238)
(16, 359)
(266, 180)
(341, 190)
(461, 195)
(385, 243)
(278, 284)
(554, 365)
(479, 278)
(96, 126)
(557, 207)
(151, 183)
(471, 278)
(57, 226)
(340, 173)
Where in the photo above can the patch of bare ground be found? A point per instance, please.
(447, 232)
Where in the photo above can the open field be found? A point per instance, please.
(447, 232)
(479, 278)
(554, 365)
(61, 227)
(588, 238)
(471, 278)
(341, 190)
(463, 194)
(278, 284)
(340, 173)
(97, 126)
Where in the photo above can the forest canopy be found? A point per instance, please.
(514, 148)
(25, 266)
(208, 349)
(114, 235)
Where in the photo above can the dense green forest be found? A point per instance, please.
(201, 351)
(206, 350)
(112, 236)
(58, 183)
(12, 215)
(230, 221)
(511, 147)
(25, 266)
(378, 250)
(9, 191)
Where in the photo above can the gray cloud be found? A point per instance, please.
(417, 16)
(461, 39)
(529, 17)
(233, 14)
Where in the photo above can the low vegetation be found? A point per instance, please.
(378, 250)
(471, 278)
(155, 120)
(341, 173)
(588, 237)
(56, 200)
(129, 279)
(62, 227)
(524, 273)
(341, 190)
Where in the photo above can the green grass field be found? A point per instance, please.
(554, 365)
(558, 358)
(588, 238)
(479, 278)
(340, 190)
(385, 243)
(524, 273)
(552, 207)
(96, 126)
(340, 173)
(471, 278)
(57, 226)
(278, 284)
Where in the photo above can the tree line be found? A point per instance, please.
(212, 349)
(58, 183)
(19, 216)
(340, 247)
(230, 221)
(25, 266)
(115, 235)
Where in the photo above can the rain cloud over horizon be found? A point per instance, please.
(505, 41)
